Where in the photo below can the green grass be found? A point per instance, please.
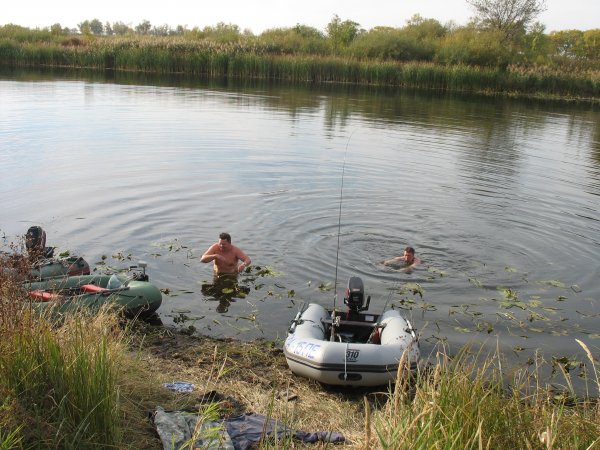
(465, 402)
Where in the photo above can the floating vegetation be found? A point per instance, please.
(536, 316)
(440, 272)
(463, 330)
(534, 303)
(510, 269)
(555, 283)
(465, 310)
(263, 271)
(575, 288)
(324, 287)
(414, 288)
(427, 307)
(119, 256)
(508, 293)
(475, 282)
(507, 316)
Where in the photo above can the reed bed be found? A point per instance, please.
(252, 59)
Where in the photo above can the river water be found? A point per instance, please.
(499, 197)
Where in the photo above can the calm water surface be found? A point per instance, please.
(501, 199)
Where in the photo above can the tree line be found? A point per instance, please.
(501, 33)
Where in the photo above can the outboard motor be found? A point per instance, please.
(355, 296)
(35, 243)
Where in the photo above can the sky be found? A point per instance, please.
(259, 15)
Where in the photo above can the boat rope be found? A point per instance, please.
(337, 252)
(346, 361)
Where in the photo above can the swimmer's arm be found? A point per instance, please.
(387, 262)
(246, 261)
(210, 254)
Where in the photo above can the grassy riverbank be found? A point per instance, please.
(257, 59)
(90, 382)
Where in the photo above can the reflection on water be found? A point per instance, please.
(499, 198)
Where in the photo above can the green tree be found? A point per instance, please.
(341, 34)
(56, 29)
(162, 30)
(120, 29)
(297, 40)
(84, 27)
(537, 45)
(509, 17)
(307, 32)
(143, 27)
(96, 27)
(400, 44)
(222, 32)
(470, 45)
(591, 44)
(568, 43)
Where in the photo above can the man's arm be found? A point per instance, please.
(244, 258)
(387, 262)
(210, 254)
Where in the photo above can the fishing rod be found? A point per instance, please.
(337, 252)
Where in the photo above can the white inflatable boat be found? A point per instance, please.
(366, 349)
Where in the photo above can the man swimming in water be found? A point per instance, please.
(408, 257)
(225, 256)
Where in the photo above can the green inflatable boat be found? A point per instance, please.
(130, 293)
(58, 267)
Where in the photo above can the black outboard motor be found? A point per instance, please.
(355, 296)
(35, 243)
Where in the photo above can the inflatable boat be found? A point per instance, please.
(130, 293)
(366, 348)
(40, 263)
(58, 267)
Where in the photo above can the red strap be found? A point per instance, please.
(92, 288)
(42, 295)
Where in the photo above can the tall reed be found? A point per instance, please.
(253, 59)
(58, 382)
(465, 403)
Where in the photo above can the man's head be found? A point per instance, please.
(409, 254)
(224, 241)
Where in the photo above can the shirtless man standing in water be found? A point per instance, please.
(225, 256)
